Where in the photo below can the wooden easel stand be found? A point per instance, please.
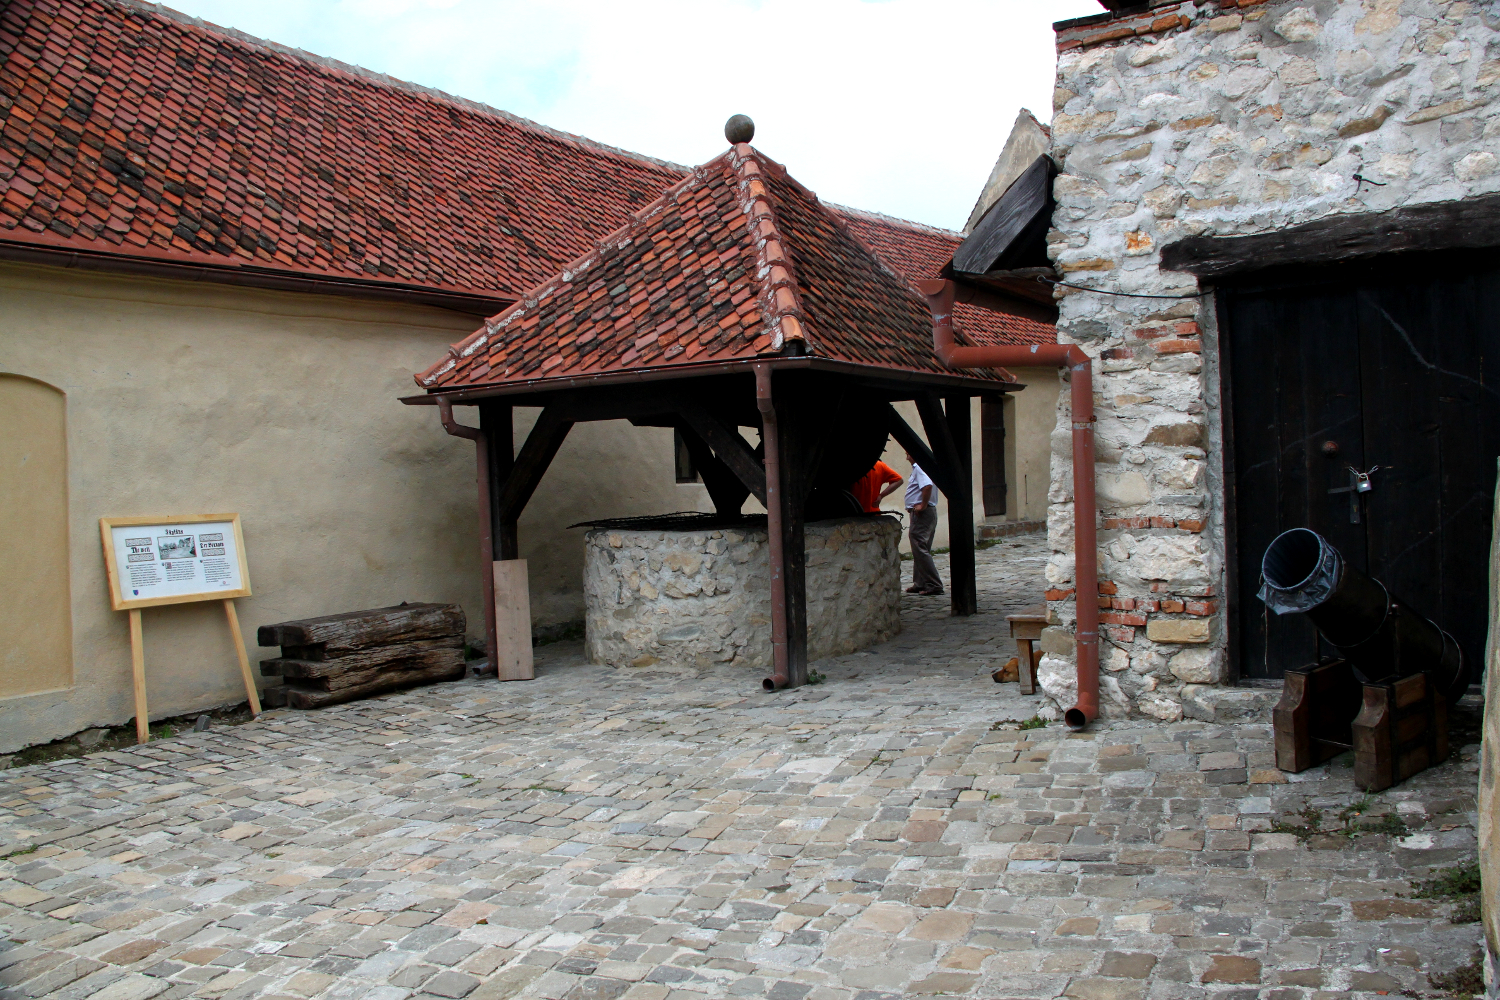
(138, 668)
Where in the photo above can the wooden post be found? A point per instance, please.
(497, 421)
(964, 586)
(138, 667)
(239, 650)
(792, 491)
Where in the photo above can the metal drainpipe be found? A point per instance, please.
(486, 531)
(780, 673)
(940, 295)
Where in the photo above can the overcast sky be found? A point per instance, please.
(899, 106)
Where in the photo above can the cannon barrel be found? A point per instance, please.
(1382, 639)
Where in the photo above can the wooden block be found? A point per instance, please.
(1028, 624)
(345, 633)
(298, 697)
(512, 655)
(290, 665)
(1311, 721)
(1374, 768)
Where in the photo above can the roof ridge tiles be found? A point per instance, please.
(538, 294)
(395, 83)
(780, 301)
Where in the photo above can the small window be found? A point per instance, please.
(686, 471)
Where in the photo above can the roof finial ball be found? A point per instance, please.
(738, 129)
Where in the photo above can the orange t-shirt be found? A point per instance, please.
(867, 490)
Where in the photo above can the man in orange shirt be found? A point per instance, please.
(877, 484)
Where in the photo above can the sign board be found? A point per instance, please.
(152, 561)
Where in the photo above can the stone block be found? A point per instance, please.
(1178, 630)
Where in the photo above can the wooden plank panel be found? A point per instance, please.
(512, 657)
(1404, 510)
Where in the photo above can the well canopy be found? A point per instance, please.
(736, 262)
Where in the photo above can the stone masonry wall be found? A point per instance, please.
(700, 599)
(1222, 118)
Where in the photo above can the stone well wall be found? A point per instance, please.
(1220, 117)
(698, 599)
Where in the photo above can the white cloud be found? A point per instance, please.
(900, 106)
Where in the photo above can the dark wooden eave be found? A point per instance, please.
(899, 383)
(1470, 224)
(471, 302)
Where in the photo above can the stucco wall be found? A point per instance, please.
(1214, 122)
(282, 407)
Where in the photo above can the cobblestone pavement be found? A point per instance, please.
(601, 834)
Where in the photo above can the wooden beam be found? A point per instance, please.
(964, 585)
(913, 443)
(728, 445)
(1472, 223)
(724, 487)
(536, 455)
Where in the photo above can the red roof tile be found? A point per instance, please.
(127, 130)
(916, 251)
(727, 265)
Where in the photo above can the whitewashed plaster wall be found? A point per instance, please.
(1221, 118)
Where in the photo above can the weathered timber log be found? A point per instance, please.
(292, 664)
(355, 630)
(299, 697)
(1467, 224)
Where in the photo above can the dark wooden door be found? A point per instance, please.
(1381, 365)
(992, 454)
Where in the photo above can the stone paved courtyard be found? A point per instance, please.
(599, 833)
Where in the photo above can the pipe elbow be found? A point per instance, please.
(445, 414)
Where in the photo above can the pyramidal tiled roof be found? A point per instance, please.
(732, 263)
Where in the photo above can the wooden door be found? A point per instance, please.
(992, 454)
(1381, 365)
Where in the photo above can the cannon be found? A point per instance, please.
(1384, 694)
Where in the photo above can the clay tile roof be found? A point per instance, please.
(140, 131)
(916, 251)
(730, 264)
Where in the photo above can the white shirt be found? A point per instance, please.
(914, 484)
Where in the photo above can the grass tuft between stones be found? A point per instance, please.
(1458, 885)
(1464, 981)
(1349, 822)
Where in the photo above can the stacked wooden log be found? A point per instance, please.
(343, 657)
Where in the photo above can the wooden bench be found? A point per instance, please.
(1026, 627)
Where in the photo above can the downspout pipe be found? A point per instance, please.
(771, 440)
(486, 526)
(941, 295)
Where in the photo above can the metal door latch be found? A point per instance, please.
(1359, 482)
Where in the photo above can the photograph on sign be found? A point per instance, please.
(172, 560)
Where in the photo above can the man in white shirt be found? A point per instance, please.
(921, 508)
